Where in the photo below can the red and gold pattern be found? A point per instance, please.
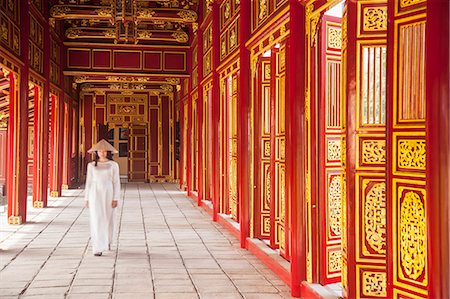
(407, 198)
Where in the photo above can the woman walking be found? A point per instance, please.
(101, 195)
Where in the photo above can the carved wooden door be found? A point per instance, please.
(262, 171)
(330, 135)
(138, 154)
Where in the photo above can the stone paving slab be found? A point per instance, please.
(165, 247)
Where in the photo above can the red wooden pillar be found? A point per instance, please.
(438, 140)
(243, 110)
(18, 129)
(215, 109)
(55, 186)
(40, 184)
(41, 129)
(295, 143)
(199, 109)
(67, 147)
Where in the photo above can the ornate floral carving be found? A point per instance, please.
(375, 217)
(334, 37)
(223, 48)
(334, 261)
(73, 32)
(334, 150)
(80, 79)
(373, 151)
(59, 11)
(4, 31)
(173, 81)
(188, 15)
(227, 12)
(375, 19)
(180, 36)
(406, 3)
(263, 9)
(167, 88)
(374, 284)
(104, 12)
(144, 34)
(146, 13)
(127, 109)
(334, 205)
(411, 153)
(110, 33)
(412, 230)
(233, 39)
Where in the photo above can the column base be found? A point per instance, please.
(54, 194)
(38, 204)
(17, 220)
(65, 187)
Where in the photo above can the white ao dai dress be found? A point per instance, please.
(102, 187)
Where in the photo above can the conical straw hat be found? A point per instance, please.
(103, 145)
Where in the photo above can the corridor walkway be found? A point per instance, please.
(166, 247)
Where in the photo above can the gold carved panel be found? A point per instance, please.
(334, 37)
(334, 261)
(373, 152)
(334, 205)
(375, 19)
(374, 284)
(334, 150)
(412, 232)
(411, 153)
(406, 3)
(375, 217)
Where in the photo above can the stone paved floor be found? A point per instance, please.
(165, 247)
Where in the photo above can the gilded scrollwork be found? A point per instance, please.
(374, 284)
(334, 261)
(406, 3)
(173, 81)
(375, 217)
(334, 205)
(146, 13)
(412, 153)
(59, 11)
(334, 37)
(233, 39)
(334, 150)
(227, 12)
(412, 230)
(144, 34)
(180, 36)
(375, 19)
(104, 12)
(110, 33)
(80, 79)
(167, 88)
(373, 151)
(263, 9)
(188, 15)
(73, 32)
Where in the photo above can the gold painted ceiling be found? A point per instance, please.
(146, 22)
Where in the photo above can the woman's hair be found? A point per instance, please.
(108, 156)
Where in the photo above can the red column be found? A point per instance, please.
(438, 141)
(199, 110)
(243, 110)
(56, 140)
(18, 130)
(68, 132)
(215, 109)
(41, 129)
(295, 144)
